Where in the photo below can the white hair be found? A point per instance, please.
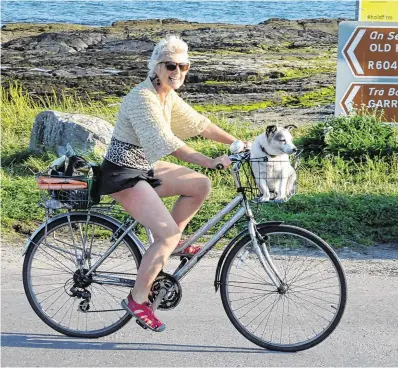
(169, 45)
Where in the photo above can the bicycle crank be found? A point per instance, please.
(166, 283)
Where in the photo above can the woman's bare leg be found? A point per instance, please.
(144, 205)
(192, 187)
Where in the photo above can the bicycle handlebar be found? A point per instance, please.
(235, 157)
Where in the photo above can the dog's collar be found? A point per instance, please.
(264, 150)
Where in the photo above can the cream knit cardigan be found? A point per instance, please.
(159, 130)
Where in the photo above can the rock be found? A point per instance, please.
(128, 46)
(83, 132)
(62, 42)
(276, 74)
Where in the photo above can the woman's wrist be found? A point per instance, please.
(209, 163)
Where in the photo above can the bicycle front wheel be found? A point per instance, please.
(54, 281)
(301, 313)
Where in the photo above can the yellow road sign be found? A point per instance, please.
(378, 10)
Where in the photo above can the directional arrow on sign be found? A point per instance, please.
(351, 52)
(348, 102)
(372, 97)
(373, 52)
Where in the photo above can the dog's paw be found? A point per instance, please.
(280, 199)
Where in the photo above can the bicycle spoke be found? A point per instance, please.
(275, 314)
(52, 284)
(52, 273)
(248, 278)
(106, 300)
(316, 281)
(67, 311)
(318, 289)
(271, 306)
(255, 273)
(314, 304)
(245, 287)
(98, 314)
(64, 267)
(60, 306)
(249, 297)
(309, 324)
(71, 311)
(60, 252)
(113, 268)
(305, 293)
(244, 305)
(48, 290)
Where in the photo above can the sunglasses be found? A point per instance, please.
(171, 66)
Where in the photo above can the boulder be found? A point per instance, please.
(83, 132)
(53, 42)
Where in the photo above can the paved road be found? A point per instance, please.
(199, 332)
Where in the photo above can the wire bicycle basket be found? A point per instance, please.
(256, 176)
(69, 183)
(65, 192)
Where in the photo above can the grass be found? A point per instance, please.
(345, 203)
(213, 108)
(304, 72)
(321, 96)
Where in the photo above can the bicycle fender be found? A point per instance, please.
(231, 244)
(61, 215)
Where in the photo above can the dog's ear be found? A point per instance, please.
(290, 126)
(270, 130)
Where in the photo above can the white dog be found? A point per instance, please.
(274, 174)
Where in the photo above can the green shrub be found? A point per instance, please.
(351, 138)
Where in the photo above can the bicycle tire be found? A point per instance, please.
(46, 257)
(303, 244)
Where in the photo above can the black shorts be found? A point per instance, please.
(114, 178)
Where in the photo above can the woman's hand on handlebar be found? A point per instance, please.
(221, 163)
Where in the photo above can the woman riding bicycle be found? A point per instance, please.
(152, 123)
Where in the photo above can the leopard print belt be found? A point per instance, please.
(127, 154)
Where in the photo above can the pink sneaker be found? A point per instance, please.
(143, 313)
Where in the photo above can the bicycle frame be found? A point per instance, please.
(200, 232)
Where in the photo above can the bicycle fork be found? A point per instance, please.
(263, 255)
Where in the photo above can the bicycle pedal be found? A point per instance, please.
(139, 323)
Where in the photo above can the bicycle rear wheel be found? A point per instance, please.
(70, 304)
(305, 310)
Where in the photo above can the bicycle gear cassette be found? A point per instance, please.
(173, 287)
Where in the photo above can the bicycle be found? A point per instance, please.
(282, 287)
